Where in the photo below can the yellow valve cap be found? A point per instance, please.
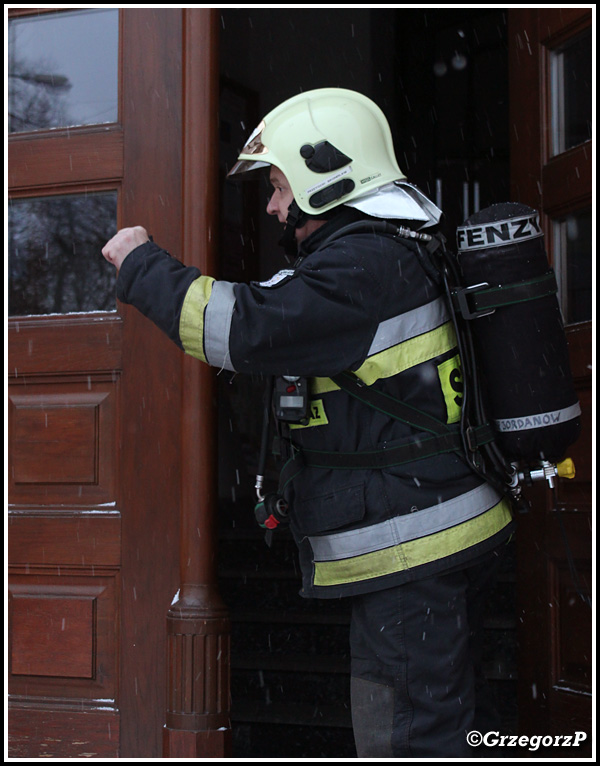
(566, 468)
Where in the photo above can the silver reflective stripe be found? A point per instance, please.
(527, 422)
(343, 545)
(409, 325)
(217, 325)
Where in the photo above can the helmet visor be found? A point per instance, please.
(253, 147)
(245, 166)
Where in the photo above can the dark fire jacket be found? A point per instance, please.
(363, 303)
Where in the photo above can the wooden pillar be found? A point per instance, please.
(197, 719)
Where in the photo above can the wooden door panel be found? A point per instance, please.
(63, 661)
(572, 669)
(55, 438)
(95, 433)
(570, 687)
(32, 166)
(53, 633)
(63, 634)
(64, 537)
(568, 175)
(66, 344)
(62, 438)
(63, 733)
(52, 537)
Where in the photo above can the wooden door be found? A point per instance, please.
(93, 389)
(551, 169)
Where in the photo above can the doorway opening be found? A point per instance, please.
(441, 77)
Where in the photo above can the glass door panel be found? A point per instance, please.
(55, 264)
(63, 69)
(572, 237)
(571, 93)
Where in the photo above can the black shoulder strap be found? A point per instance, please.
(388, 405)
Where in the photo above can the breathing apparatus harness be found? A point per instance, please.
(476, 439)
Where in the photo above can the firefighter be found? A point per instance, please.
(383, 506)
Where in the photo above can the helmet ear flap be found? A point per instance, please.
(323, 157)
(331, 193)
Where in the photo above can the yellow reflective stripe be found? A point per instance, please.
(322, 386)
(398, 358)
(414, 553)
(191, 321)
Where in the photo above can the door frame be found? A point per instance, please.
(553, 540)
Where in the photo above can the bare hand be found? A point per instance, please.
(118, 248)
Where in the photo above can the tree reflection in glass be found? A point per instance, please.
(55, 264)
(63, 69)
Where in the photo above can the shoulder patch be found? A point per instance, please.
(278, 278)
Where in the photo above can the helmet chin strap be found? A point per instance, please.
(295, 218)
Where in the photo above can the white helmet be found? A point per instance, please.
(335, 147)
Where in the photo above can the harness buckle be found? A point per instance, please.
(461, 296)
(471, 438)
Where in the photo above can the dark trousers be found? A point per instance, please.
(417, 683)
